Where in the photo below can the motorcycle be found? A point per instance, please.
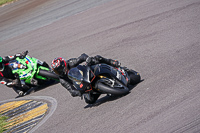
(31, 72)
(100, 79)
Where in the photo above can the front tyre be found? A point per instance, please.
(117, 89)
(48, 74)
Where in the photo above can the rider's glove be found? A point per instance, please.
(84, 56)
(89, 61)
(115, 63)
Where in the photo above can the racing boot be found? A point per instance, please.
(100, 59)
(115, 63)
(90, 98)
(34, 82)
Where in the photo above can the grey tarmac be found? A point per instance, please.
(159, 39)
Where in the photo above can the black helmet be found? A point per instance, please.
(59, 66)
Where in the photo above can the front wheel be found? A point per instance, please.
(48, 74)
(117, 89)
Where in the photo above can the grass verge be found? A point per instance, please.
(3, 123)
(2, 2)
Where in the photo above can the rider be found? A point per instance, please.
(6, 76)
(61, 67)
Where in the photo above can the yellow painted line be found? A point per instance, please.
(28, 115)
(12, 105)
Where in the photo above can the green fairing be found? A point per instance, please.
(31, 69)
(0, 59)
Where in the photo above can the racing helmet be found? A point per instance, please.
(59, 66)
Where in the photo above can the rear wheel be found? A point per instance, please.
(134, 77)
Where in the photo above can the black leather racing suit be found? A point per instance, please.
(67, 83)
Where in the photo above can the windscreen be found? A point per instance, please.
(75, 74)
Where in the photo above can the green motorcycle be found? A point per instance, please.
(31, 72)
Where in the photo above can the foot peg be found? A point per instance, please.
(34, 82)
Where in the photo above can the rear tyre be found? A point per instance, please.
(134, 77)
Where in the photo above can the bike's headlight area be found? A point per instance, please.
(77, 82)
(75, 75)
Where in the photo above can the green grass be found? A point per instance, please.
(5, 1)
(3, 123)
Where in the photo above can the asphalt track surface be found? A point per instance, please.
(159, 39)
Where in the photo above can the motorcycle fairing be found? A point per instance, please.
(80, 76)
(31, 69)
(102, 69)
